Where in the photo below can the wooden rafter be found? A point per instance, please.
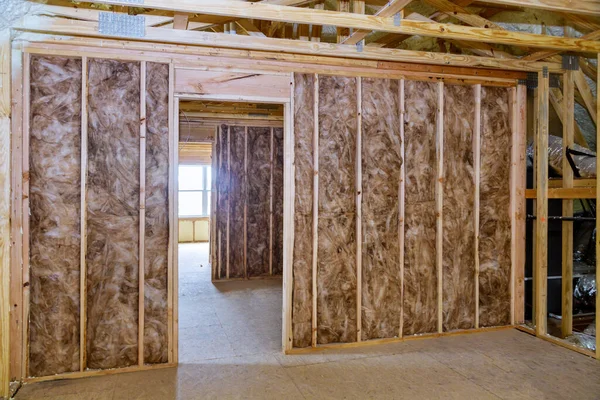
(233, 8)
(585, 7)
(393, 7)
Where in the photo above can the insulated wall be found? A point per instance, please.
(412, 184)
(249, 205)
(99, 224)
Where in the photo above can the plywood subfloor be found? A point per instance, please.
(504, 364)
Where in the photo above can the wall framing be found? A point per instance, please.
(180, 59)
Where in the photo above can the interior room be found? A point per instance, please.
(230, 213)
(323, 199)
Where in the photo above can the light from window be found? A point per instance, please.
(194, 190)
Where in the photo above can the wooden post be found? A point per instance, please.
(16, 217)
(83, 220)
(439, 197)
(358, 188)
(173, 222)
(477, 179)
(518, 184)
(343, 33)
(288, 219)
(567, 205)
(26, 213)
(228, 200)
(315, 225)
(541, 226)
(5, 157)
(401, 205)
(141, 265)
(174, 149)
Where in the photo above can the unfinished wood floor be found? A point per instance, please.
(230, 348)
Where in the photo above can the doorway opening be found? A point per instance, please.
(230, 209)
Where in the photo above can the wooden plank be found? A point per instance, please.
(401, 204)
(584, 7)
(539, 55)
(315, 210)
(557, 99)
(65, 27)
(288, 220)
(462, 14)
(518, 184)
(173, 140)
(180, 21)
(358, 188)
(83, 220)
(174, 175)
(343, 6)
(439, 201)
(16, 216)
(315, 35)
(586, 94)
(142, 211)
(560, 193)
(238, 9)
(567, 205)
(5, 170)
(541, 226)
(246, 202)
(25, 207)
(227, 83)
(391, 8)
(476, 177)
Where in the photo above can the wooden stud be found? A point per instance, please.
(401, 205)
(315, 222)
(288, 220)
(142, 211)
(358, 191)
(16, 217)
(26, 212)
(439, 200)
(343, 6)
(83, 218)
(173, 223)
(477, 180)
(5, 170)
(228, 200)
(567, 205)
(534, 202)
(518, 184)
(175, 232)
(180, 21)
(541, 226)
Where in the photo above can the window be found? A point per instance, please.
(194, 190)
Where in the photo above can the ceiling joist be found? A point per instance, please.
(240, 9)
(160, 35)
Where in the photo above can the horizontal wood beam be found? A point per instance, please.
(577, 183)
(209, 39)
(565, 193)
(585, 7)
(235, 8)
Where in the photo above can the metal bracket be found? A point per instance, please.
(397, 19)
(570, 62)
(545, 72)
(522, 82)
(122, 25)
(360, 45)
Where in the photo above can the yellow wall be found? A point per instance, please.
(194, 230)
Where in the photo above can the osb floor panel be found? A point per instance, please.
(504, 364)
